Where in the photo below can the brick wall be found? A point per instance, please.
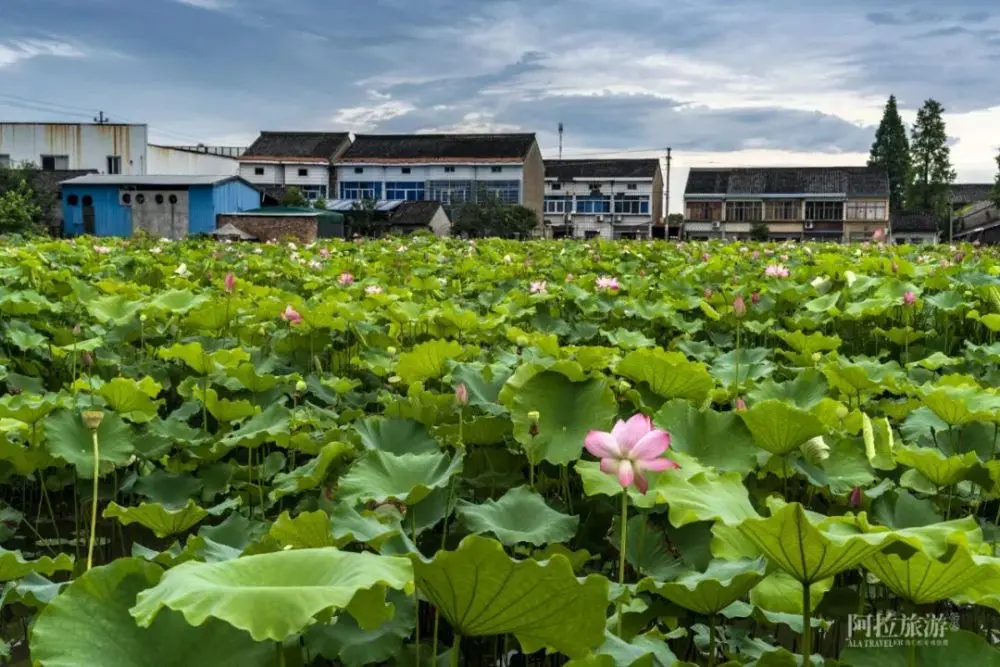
(276, 227)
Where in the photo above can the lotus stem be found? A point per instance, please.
(621, 552)
(455, 649)
(93, 420)
(806, 623)
(416, 595)
(711, 641)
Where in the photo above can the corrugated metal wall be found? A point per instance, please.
(110, 217)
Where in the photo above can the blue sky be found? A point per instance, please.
(721, 81)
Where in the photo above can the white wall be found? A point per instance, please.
(315, 174)
(171, 161)
(86, 145)
(274, 174)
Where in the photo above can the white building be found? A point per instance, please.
(452, 169)
(193, 160)
(610, 199)
(109, 148)
(280, 160)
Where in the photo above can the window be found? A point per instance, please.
(824, 210)
(140, 199)
(632, 186)
(591, 235)
(159, 199)
(704, 210)
(55, 162)
(258, 171)
(172, 199)
(782, 210)
(405, 170)
(449, 170)
(404, 191)
(867, 210)
(303, 172)
(126, 199)
(114, 164)
(743, 211)
(359, 170)
(508, 192)
(88, 200)
(450, 192)
(557, 186)
(357, 190)
(313, 192)
(558, 204)
(72, 200)
(632, 205)
(496, 170)
(4, 160)
(593, 204)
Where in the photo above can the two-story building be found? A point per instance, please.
(107, 148)
(611, 199)
(840, 204)
(453, 169)
(277, 161)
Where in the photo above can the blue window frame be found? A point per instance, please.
(450, 192)
(508, 192)
(358, 190)
(404, 191)
(558, 204)
(632, 205)
(593, 204)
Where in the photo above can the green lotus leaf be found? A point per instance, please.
(578, 559)
(711, 591)
(308, 530)
(89, 624)
(483, 382)
(781, 428)
(379, 476)
(114, 309)
(807, 344)
(348, 644)
(33, 590)
(957, 648)
(779, 592)
(350, 525)
(791, 541)
(167, 488)
(28, 408)
(738, 367)
(568, 409)
(923, 580)
(703, 496)
(846, 468)
(481, 591)
(597, 483)
(277, 595)
(13, 565)
(161, 520)
(252, 379)
(192, 354)
(224, 409)
(24, 337)
(519, 516)
(717, 439)
(647, 650)
(879, 445)
(961, 405)
(271, 425)
(396, 436)
(177, 300)
(427, 360)
(311, 475)
(131, 399)
(69, 439)
(805, 391)
(939, 469)
(667, 374)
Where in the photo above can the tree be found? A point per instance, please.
(294, 197)
(996, 186)
(320, 203)
(759, 231)
(25, 209)
(364, 217)
(494, 218)
(891, 152)
(930, 159)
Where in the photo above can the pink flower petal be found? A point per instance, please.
(629, 433)
(651, 445)
(602, 445)
(626, 473)
(641, 482)
(657, 465)
(610, 466)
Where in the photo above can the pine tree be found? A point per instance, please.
(930, 158)
(891, 152)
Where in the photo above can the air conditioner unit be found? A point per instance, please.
(600, 218)
(568, 217)
(716, 225)
(619, 218)
(809, 225)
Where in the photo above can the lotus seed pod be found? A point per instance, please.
(93, 419)
(301, 386)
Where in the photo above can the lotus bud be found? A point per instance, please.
(143, 318)
(93, 419)
(895, 267)
(909, 298)
(741, 405)
(462, 394)
(230, 282)
(842, 412)
(856, 497)
(623, 386)
(739, 306)
(816, 356)
(755, 298)
(708, 293)
(391, 350)
(534, 416)
(77, 330)
(87, 359)
(300, 386)
(815, 451)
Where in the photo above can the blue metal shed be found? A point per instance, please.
(162, 206)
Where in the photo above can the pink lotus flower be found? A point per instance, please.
(776, 271)
(373, 289)
(607, 282)
(324, 253)
(102, 249)
(569, 277)
(708, 293)
(538, 287)
(345, 278)
(784, 258)
(755, 254)
(741, 405)
(705, 257)
(291, 315)
(631, 449)
(879, 235)
(856, 497)
(755, 298)
(462, 394)
(739, 306)
(909, 298)
(230, 282)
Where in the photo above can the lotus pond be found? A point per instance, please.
(433, 452)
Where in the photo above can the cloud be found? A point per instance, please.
(14, 51)
(213, 5)
(475, 122)
(370, 117)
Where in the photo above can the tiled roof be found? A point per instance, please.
(566, 170)
(915, 222)
(316, 145)
(853, 181)
(414, 213)
(967, 193)
(438, 147)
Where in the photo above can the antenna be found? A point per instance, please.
(101, 118)
(560, 139)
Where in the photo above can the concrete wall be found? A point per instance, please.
(274, 227)
(173, 161)
(161, 214)
(85, 145)
(533, 182)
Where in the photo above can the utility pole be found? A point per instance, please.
(666, 203)
(101, 118)
(560, 139)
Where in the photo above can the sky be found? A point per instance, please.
(722, 82)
